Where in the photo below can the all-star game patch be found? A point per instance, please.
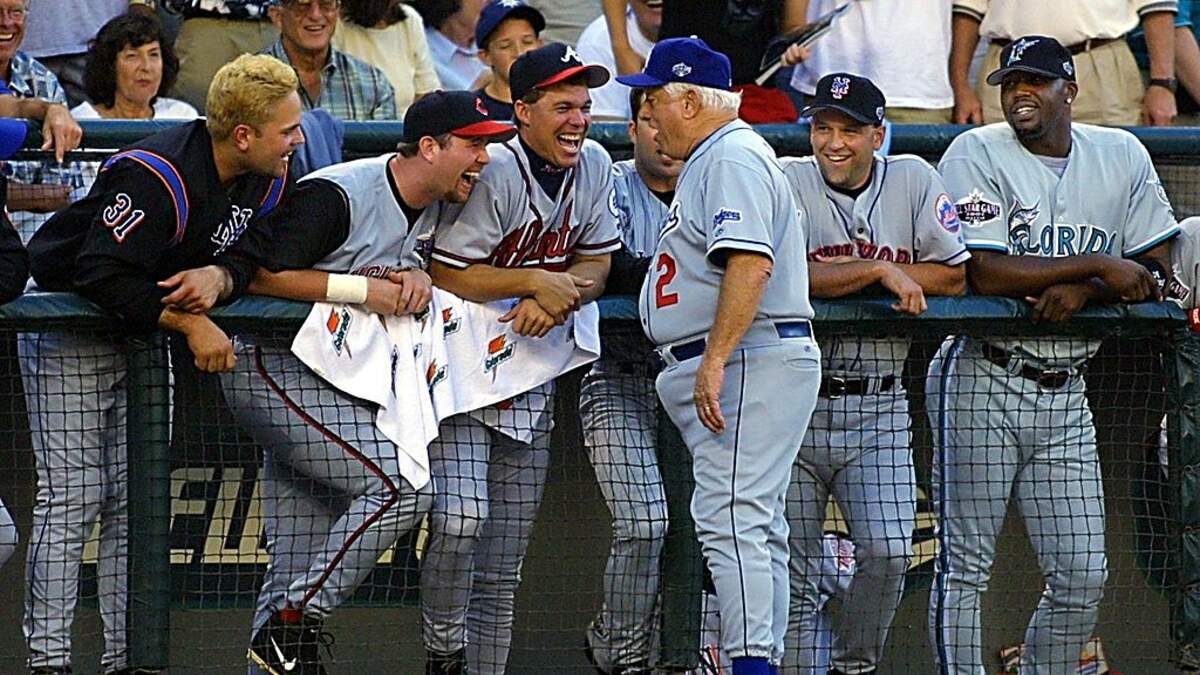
(974, 210)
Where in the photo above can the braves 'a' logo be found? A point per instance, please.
(571, 56)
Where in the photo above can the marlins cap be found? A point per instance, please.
(497, 11)
(547, 66)
(689, 60)
(461, 113)
(1035, 54)
(853, 95)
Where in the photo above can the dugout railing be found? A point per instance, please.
(198, 621)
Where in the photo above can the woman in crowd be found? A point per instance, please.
(389, 35)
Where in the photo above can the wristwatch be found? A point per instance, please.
(1169, 83)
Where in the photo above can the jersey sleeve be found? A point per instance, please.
(14, 262)
(937, 231)
(977, 198)
(1150, 220)
(600, 234)
(470, 235)
(308, 225)
(133, 226)
(1185, 264)
(737, 211)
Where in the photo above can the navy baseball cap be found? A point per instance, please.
(461, 113)
(853, 95)
(548, 65)
(688, 60)
(497, 11)
(1035, 54)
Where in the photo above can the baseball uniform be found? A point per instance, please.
(733, 197)
(617, 411)
(335, 499)
(858, 445)
(14, 272)
(487, 485)
(155, 209)
(1010, 416)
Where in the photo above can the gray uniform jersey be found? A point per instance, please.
(1185, 264)
(509, 221)
(640, 214)
(1109, 200)
(732, 196)
(904, 215)
(380, 239)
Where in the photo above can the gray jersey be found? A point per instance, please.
(731, 197)
(510, 222)
(380, 238)
(1185, 264)
(1108, 201)
(640, 214)
(904, 216)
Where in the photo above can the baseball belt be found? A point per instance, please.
(834, 387)
(1075, 49)
(784, 329)
(1047, 379)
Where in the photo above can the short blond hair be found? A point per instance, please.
(245, 91)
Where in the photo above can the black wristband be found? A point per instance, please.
(1169, 83)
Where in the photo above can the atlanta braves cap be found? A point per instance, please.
(548, 65)
(853, 95)
(461, 113)
(689, 60)
(497, 11)
(1035, 54)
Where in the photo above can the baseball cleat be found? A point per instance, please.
(289, 647)
(446, 664)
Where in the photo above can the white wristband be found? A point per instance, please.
(347, 288)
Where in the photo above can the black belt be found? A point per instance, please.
(1047, 379)
(785, 329)
(833, 386)
(1075, 49)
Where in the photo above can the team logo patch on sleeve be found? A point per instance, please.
(947, 214)
(1176, 290)
(975, 210)
(121, 217)
(727, 216)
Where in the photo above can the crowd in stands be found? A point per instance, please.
(371, 59)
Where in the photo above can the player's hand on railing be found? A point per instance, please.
(211, 347)
(529, 319)
(1060, 301)
(60, 131)
(558, 293)
(197, 290)
(1131, 281)
(968, 109)
(416, 290)
(910, 298)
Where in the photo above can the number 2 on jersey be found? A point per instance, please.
(666, 269)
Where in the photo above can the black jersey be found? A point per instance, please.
(156, 208)
(14, 261)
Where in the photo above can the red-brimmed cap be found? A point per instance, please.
(461, 113)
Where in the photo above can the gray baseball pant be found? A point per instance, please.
(742, 477)
(996, 434)
(617, 413)
(858, 450)
(487, 488)
(76, 397)
(9, 537)
(334, 497)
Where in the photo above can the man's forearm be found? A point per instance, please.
(836, 280)
(938, 279)
(614, 16)
(182, 322)
(305, 285)
(745, 280)
(795, 15)
(964, 38)
(1160, 43)
(594, 268)
(484, 283)
(1010, 276)
(1187, 61)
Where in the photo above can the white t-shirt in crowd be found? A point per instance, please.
(611, 100)
(863, 42)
